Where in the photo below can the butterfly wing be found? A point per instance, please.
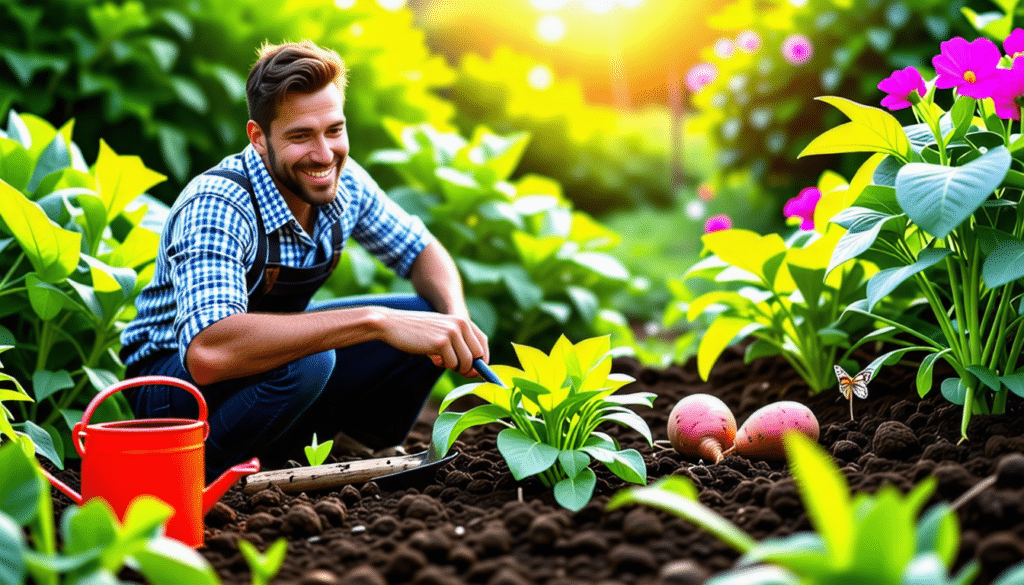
(859, 383)
(845, 382)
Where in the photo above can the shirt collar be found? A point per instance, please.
(273, 207)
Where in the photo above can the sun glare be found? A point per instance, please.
(540, 77)
(550, 28)
(344, 4)
(391, 5)
(548, 4)
(599, 6)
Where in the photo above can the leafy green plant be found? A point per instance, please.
(77, 244)
(532, 266)
(168, 76)
(317, 453)
(95, 544)
(875, 539)
(263, 565)
(775, 291)
(943, 213)
(552, 408)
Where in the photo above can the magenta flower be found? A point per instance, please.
(900, 85)
(705, 191)
(748, 41)
(1014, 44)
(1010, 91)
(700, 75)
(797, 49)
(969, 67)
(717, 223)
(803, 206)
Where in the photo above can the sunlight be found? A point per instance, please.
(548, 4)
(391, 5)
(344, 4)
(599, 6)
(540, 77)
(550, 28)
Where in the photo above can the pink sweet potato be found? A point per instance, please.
(760, 437)
(701, 425)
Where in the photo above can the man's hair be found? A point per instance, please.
(290, 67)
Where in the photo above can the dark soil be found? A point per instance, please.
(476, 524)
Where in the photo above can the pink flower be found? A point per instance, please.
(748, 41)
(802, 206)
(1010, 90)
(717, 223)
(705, 191)
(900, 85)
(969, 67)
(1014, 44)
(724, 48)
(797, 49)
(700, 75)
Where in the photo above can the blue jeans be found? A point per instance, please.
(371, 391)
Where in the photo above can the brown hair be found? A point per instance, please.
(290, 67)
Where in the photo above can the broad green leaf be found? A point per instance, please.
(1012, 576)
(939, 198)
(755, 575)
(926, 569)
(605, 265)
(924, 372)
(938, 531)
(575, 492)
(165, 561)
(140, 247)
(987, 376)
(954, 390)
(810, 280)
(18, 131)
(449, 425)
(21, 486)
(824, 493)
(525, 457)
(886, 281)
(1015, 382)
(628, 465)
(710, 299)
(145, 515)
(880, 198)
(744, 249)
(91, 525)
(1005, 264)
(120, 179)
(863, 226)
(15, 163)
(573, 461)
(43, 442)
(545, 370)
(12, 547)
(669, 496)
(722, 332)
(45, 383)
(632, 420)
(585, 301)
(46, 299)
(960, 116)
(55, 157)
(52, 250)
(526, 293)
(803, 553)
(884, 538)
(869, 130)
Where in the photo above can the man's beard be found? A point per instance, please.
(290, 181)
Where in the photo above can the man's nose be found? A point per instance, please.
(322, 152)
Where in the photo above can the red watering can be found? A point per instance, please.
(162, 457)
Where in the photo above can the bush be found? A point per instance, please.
(77, 244)
(168, 76)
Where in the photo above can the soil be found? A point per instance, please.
(476, 524)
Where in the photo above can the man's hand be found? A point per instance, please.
(450, 341)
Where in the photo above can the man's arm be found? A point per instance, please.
(243, 344)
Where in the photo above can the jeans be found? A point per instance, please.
(371, 391)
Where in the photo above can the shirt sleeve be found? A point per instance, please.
(384, 229)
(209, 242)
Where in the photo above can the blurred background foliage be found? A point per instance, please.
(598, 86)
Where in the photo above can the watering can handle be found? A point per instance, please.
(79, 429)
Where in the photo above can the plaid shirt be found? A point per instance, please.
(209, 242)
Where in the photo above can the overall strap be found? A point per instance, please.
(255, 273)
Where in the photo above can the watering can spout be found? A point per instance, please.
(222, 484)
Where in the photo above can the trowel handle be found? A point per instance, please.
(80, 427)
(487, 373)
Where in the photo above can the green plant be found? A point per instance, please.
(552, 408)
(263, 566)
(168, 76)
(943, 212)
(95, 544)
(532, 267)
(76, 246)
(317, 453)
(778, 293)
(876, 539)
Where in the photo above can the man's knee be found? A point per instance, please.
(299, 381)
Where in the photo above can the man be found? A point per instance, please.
(245, 247)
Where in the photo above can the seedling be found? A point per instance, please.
(317, 453)
(855, 386)
(264, 566)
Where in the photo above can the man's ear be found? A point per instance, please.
(257, 137)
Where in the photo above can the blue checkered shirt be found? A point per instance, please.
(209, 243)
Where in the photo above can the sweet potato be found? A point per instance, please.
(702, 425)
(760, 437)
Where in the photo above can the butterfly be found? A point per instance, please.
(858, 384)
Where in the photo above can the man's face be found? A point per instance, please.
(307, 145)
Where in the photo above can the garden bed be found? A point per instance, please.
(476, 524)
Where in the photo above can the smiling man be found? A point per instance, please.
(246, 246)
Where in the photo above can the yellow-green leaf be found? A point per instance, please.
(52, 250)
(824, 492)
(719, 335)
(120, 179)
(744, 249)
(869, 130)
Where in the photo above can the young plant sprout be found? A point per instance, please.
(855, 386)
(760, 436)
(702, 425)
(317, 453)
